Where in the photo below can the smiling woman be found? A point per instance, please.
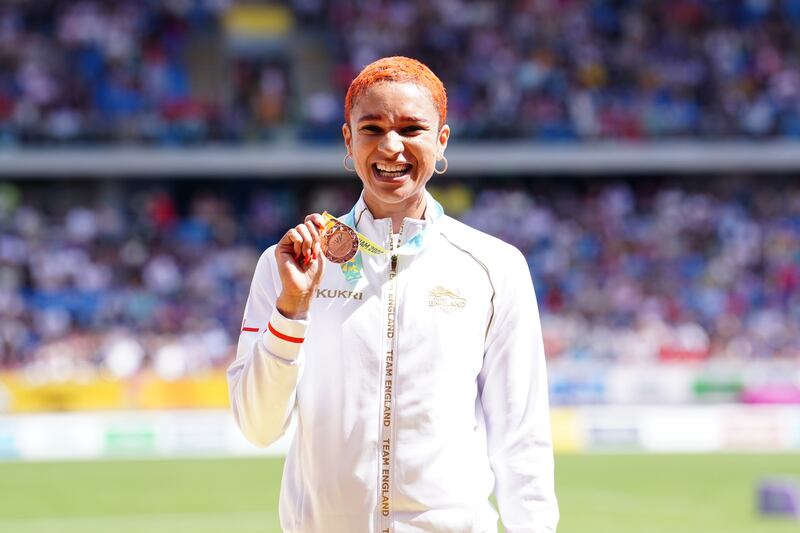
(416, 369)
(395, 138)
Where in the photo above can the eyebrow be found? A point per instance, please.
(402, 119)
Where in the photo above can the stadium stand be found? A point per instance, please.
(118, 274)
(184, 72)
(121, 276)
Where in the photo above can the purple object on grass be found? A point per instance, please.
(779, 496)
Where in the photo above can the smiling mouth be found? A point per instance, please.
(391, 171)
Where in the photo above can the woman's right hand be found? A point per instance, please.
(300, 266)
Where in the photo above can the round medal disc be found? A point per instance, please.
(339, 243)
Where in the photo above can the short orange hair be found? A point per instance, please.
(398, 69)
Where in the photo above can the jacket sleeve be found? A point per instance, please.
(262, 381)
(514, 397)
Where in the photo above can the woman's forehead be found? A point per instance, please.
(395, 100)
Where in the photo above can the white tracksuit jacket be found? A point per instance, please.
(417, 391)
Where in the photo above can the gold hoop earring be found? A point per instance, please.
(345, 163)
(445, 166)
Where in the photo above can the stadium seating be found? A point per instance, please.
(125, 277)
(178, 73)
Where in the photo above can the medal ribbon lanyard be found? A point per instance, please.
(352, 269)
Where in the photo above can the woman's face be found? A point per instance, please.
(395, 139)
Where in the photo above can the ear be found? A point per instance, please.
(444, 136)
(348, 138)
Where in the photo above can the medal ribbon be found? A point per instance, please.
(363, 243)
(352, 269)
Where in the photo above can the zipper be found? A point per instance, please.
(388, 373)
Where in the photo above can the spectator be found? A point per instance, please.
(127, 71)
(624, 272)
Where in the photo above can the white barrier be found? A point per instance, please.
(676, 429)
(212, 433)
(127, 434)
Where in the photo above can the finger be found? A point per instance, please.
(315, 237)
(296, 240)
(308, 240)
(313, 229)
(317, 219)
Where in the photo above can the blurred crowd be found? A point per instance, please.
(144, 71)
(123, 280)
(567, 69)
(117, 278)
(165, 72)
(675, 273)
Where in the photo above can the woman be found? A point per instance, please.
(416, 367)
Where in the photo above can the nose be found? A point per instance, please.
(391, 143)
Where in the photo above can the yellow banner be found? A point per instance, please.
(568, 433)
(24, 396)
(146, 391)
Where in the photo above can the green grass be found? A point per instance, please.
(598, 493)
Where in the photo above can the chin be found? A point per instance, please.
(393, 196)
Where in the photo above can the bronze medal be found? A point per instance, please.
(339, 243)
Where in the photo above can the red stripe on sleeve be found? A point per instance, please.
(280, 335)
(254, 330)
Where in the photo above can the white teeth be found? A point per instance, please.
(383, 167)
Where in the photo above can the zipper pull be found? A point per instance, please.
(394, 263)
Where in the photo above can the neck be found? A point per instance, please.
(410, 208)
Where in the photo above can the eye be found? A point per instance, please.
(371, 128)
(410, 130)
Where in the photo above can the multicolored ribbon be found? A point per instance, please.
(352, 269)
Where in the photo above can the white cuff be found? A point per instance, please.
(283, 336)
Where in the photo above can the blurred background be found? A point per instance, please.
(644, 157)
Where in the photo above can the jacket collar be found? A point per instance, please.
(378, 230)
